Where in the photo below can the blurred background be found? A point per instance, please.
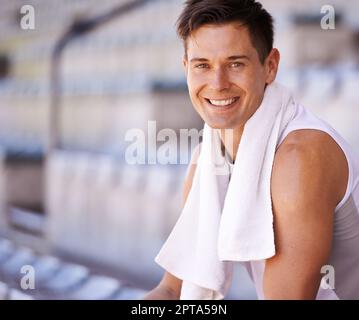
(70, 206)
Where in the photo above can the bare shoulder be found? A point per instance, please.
(310, 162)
(309, 179)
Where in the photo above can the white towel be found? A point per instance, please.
(206, 240)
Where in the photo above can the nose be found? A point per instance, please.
(219, 80)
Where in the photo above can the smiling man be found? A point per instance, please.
(226, 74)
(307, 170)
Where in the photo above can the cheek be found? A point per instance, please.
(192, 90)
(195, 84)
(254, 80)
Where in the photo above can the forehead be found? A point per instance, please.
(210, 41)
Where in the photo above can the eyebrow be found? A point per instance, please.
(199, 59)
(229, 58)
(238, 57)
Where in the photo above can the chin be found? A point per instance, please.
(216, 125)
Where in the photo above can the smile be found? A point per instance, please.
(222, 102)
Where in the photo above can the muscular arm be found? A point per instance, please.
(169, 287)
(308, 181)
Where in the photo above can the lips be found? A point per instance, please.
(224, 103)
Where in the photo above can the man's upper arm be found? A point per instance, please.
(307, 183)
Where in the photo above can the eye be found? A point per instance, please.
(237, 64)
(201, 66)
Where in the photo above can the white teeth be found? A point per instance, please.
(222, 102)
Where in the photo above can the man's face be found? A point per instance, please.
(225, 77)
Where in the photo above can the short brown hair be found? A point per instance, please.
(251, 13)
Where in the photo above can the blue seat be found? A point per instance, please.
(45, 267)
(18, 295)
(130, 293)
(68, 278)
(97, 288)
(11, 268)
(6, 250)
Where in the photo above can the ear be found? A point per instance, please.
(185, 64)
(271, 65)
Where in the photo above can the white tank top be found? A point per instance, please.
(344, 255)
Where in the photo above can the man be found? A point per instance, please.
(229, 62)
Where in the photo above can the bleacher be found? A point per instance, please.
(100, 216)
(55, 279)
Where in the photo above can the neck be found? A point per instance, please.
(230, 140)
